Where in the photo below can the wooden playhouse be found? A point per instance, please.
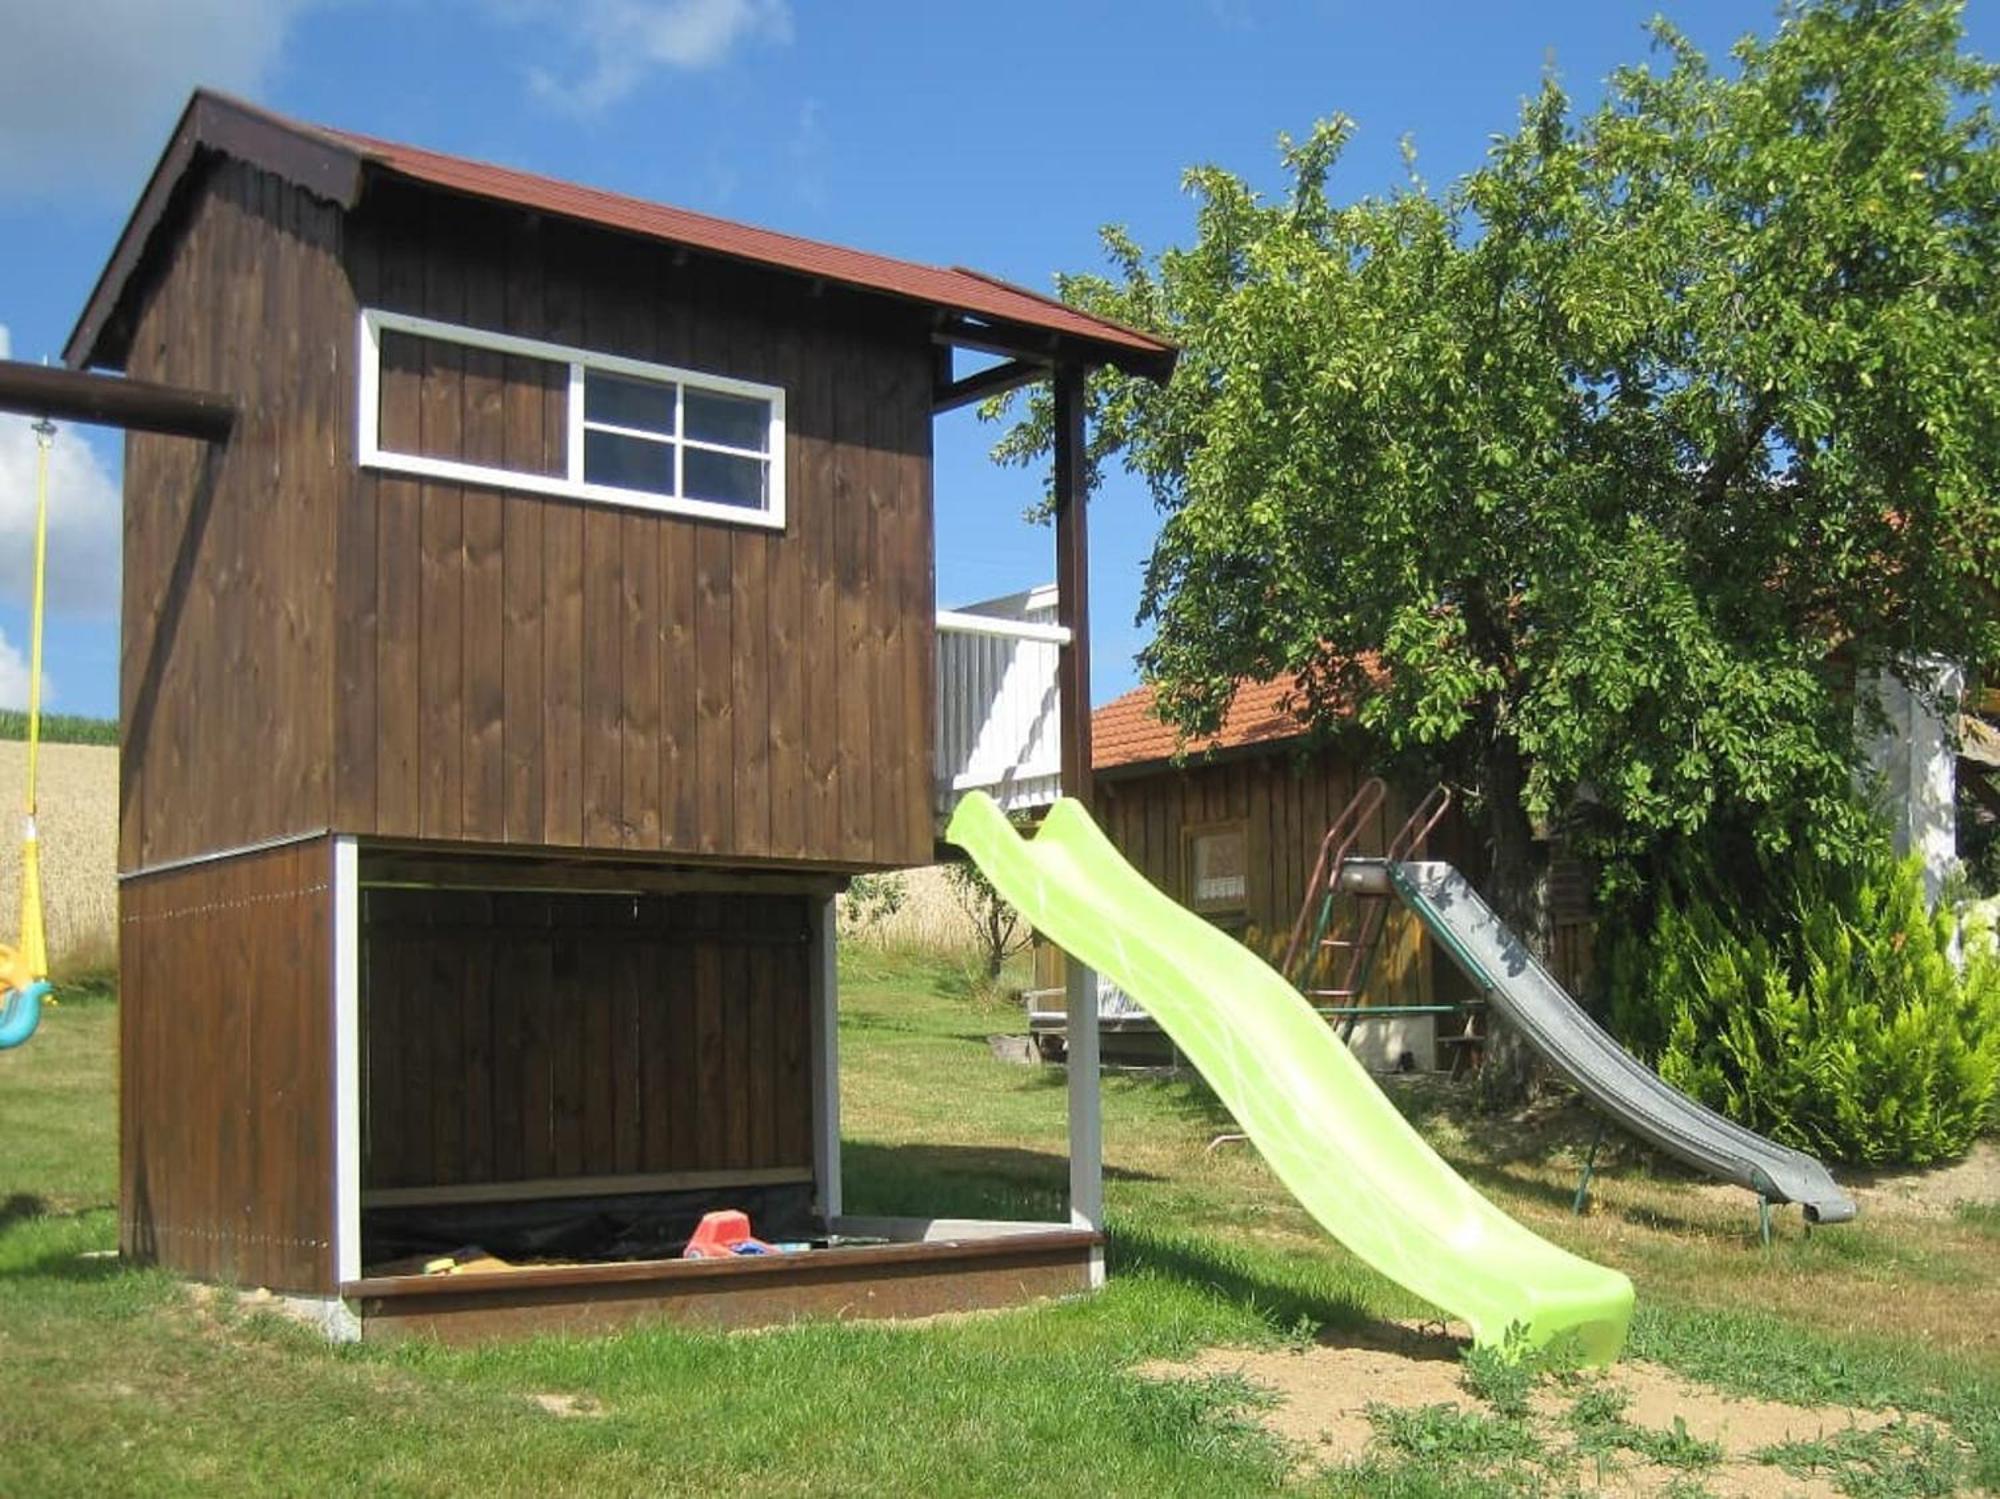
(505, 701)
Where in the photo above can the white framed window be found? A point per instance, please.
(1218, 864)
(566, 421)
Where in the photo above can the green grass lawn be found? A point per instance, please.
(124, 1382)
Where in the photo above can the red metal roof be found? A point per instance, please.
(337, 164)
(955, 287)
(1128, 731)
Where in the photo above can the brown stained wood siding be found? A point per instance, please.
(537, 671)
(1285, 804)
(502, 395)
(227, 654)
(511, 1036)
(226, 1103)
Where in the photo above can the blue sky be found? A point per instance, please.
(997, 136)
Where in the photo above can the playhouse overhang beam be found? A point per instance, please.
(950, 394)
(110, 401)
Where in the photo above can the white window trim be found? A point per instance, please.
(374, 322)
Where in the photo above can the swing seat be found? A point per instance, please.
(22, 1013)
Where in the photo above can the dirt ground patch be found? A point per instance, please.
(1935, 1193)
(1334, 1402)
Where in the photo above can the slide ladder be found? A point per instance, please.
(1338, 930)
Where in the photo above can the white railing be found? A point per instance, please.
(999, 726)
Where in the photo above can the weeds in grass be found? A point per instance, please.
(1982, 1217)
(1675, 1448)
(1503, 1376)
(1596, 1418)
(1303, 1334)
(1445, 1434)
(1902, 1460)
(1598, 1424)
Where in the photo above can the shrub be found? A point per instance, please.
(1830, 1015)
(870, 901)
(997, 926)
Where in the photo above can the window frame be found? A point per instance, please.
(1191, 834)
(370, 454)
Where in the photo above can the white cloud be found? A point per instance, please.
(90, 88)
(84, 521)
(14, 676)
(621, 41)
(810, 154)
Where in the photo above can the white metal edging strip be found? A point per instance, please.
(825, 980)
(346, 1061)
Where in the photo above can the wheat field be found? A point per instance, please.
(929, 917)
(79, 832)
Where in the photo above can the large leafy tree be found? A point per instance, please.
(1593, 480)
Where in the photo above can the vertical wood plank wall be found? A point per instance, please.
(226, 1097)
(1286, 805)
(522, 1036)
(226, 661)
(519, 669)
(308, 646)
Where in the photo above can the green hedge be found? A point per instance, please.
(60, 728)
(1828, 1014)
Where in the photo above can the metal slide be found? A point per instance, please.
(1527, 995)
(1322, 1124)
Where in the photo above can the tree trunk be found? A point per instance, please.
(1518, 886)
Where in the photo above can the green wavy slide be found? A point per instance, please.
(1328, 1132)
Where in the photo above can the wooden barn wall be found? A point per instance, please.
(545, 672)
(520, 1037)
(1286, 804)
(227, 655)
(226, 1064)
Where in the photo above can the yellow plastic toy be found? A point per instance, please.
(24, 969)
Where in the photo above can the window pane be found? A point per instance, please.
(1221, 867)
(625, 402)
(628, 462)
(723, 477)
(730, 420)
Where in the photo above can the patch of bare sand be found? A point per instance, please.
(568, 1407)
(1321, 1397)
(1934, 1193)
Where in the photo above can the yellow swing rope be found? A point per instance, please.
(32, 957)
(45, 436)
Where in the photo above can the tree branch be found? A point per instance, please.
(1725, 468)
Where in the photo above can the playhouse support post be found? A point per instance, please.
(825, 981)
(346, 959)
(1086, 1132)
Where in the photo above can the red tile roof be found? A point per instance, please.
(336, 164)
(1127, 731)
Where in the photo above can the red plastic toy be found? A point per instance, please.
(722, 1234)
